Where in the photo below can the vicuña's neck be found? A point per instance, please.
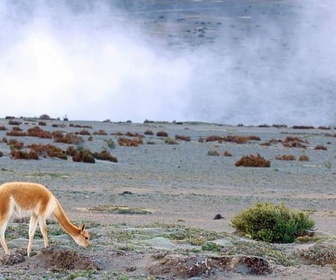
(64, 221)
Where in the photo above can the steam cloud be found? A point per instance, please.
(95, 61)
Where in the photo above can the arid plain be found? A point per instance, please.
(150, 214)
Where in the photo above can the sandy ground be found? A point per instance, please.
(180, 185)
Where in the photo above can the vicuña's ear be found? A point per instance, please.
(82, 227)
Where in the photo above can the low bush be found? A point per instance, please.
(253, 161)
(321, 147)
(100, 132)
(213, 153)
(149, 132)
(162, 134)
(170, 141)
(105, 155)
(19, 154)
(303, 158)
(84, 156)
(182, 138)
(123, 141)
(285, 157)
(227, 154)
(272, 223)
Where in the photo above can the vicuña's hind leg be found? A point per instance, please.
(32, 229)
(3, 226)
(44, 231)
(5, 214)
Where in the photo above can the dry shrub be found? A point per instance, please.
(57, 134)
(285, 157)
(105, 155)
(134, 134)
(69, 138)
(90, 138)
(182, 138)
(270, 142)
(100, 132)
(294, 142)
(227, 154)
(321, 147)
(319, 254)
(15, 144)
(214, 138)
(2, 127)
(84, 132)
(118, 133)
(38, 132)
(232, 138)
(12, 122)
(84, 156)
(162, 134)
(48, 150)
(16, 133)
(19, 154)
(123, 141)
(80, 126)
(253, 161)
(16, 128)
(42, 123)
(241, 139)
(4, 140)
(71, 151)
(149, 132)
(303, 158)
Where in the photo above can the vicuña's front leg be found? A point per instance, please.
(2, 237)
(4, 217)
(32, 229)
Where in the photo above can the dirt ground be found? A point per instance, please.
(151, 214)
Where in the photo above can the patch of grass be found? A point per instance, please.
(272, 223)
(171, 141)
(213, 152)
(121, 210)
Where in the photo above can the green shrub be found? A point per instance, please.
(272, 223)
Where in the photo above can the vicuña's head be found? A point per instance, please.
(83, 237)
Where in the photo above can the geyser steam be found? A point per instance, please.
(266, 62)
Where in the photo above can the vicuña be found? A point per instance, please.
(36, 200)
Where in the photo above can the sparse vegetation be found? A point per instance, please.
(321, 148)
(182, 138)
(294, 142)
(227, 154)
(272, 223)
(213, 152)
(303, 158)
(253, 161)
(149, 132)
(105, 155)
(134, 142)
(162, 134)
(285, 157)
(171, 141)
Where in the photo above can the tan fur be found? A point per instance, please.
(36, 200)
